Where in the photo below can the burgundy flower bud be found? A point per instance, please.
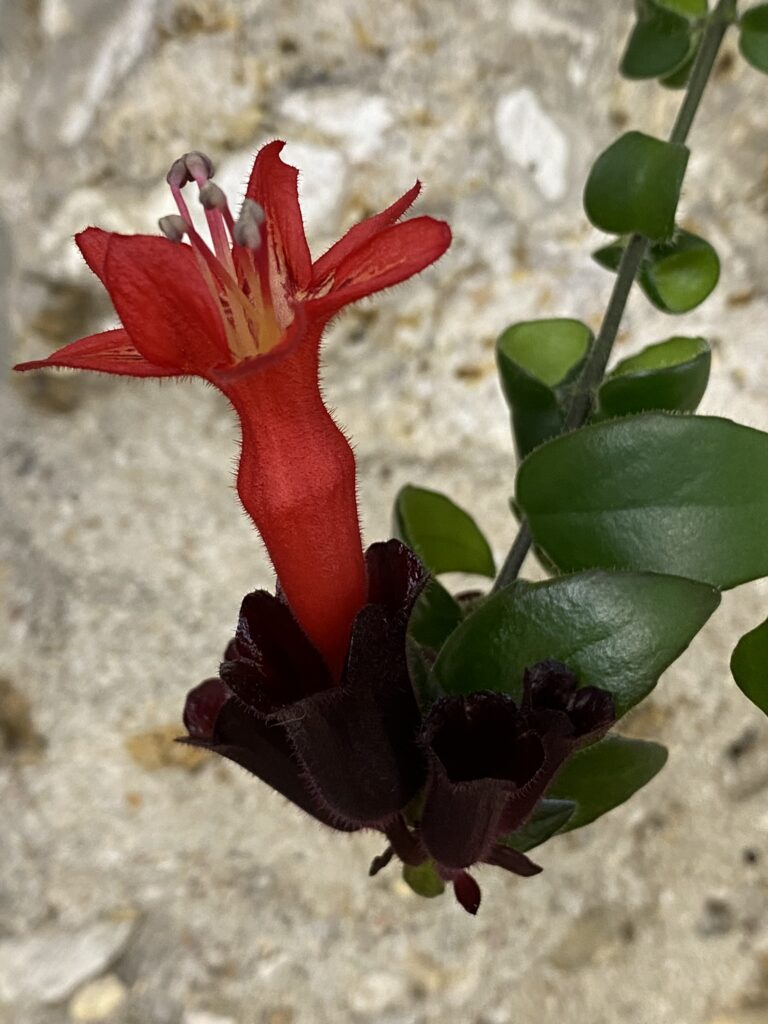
(347, 751)
(490, 762)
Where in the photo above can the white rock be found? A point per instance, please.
(377, 992)
(356, 120)
(48, 966)
(321, 183)
(55, 18)
(201, 1017)
(531, 139)
(116, 55)
(97, 1000)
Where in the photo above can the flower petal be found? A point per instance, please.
(274, 186)
(391, 256)
(164, 303)
(396, 577)
(357, 740)
(467, 892)
(93, 244)
(272, 662)
(248, 740)
(514, 861)
(108, 352)
(360, 233)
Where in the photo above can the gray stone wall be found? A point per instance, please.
(141, 886)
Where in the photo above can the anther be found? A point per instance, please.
(198, 165)
(247, 229)
(212, 197)
(173, 227)
(192, 166)
(178, 175)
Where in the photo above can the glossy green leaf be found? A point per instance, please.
(444, 536)
(679, 79)
(435, 616)
(419, 671)
(549, 817)
(613, 629)
(753, 36)
(609, 256)
(659, 43)
(749, 665)
(677, 276)
(671, 375)
(424, 880)
(605, 775)
(656, 492)
(537, 359)
(634, 186)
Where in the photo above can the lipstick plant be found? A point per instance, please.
(466, 729)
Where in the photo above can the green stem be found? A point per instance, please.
(594, 369)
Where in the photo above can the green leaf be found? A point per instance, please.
(615, 630)
(606, 774)
(548, 817)
(609, 256)
(670, 375)
(753, 36)
(749, 665)
(537, 360)
(634, 186)
(688, 8)
(677, 276)
(656, 492)
(419, 672)
(659, 44)
(435, 616)
(444, 536)
(424, 880)
(679, 79)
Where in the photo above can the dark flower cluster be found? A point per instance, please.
(444, 784)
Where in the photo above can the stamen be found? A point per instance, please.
(247, 229)
(242, 314)
(173, 226)
(214, 202)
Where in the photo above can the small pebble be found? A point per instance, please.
(98, 1000)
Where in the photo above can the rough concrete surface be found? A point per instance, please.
(141, 887)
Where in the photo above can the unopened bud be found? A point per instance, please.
(173, 227)
(247, 230)
(212, 197)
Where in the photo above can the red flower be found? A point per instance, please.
(248, 317)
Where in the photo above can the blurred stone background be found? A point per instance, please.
(140, 884)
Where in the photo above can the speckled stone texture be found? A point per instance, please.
(193, 893)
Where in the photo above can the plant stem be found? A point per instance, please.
(594, 369)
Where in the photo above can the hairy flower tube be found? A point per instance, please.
(248, 316)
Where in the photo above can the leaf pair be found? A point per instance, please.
(676, 276)
(540, 360)
(664, 41)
